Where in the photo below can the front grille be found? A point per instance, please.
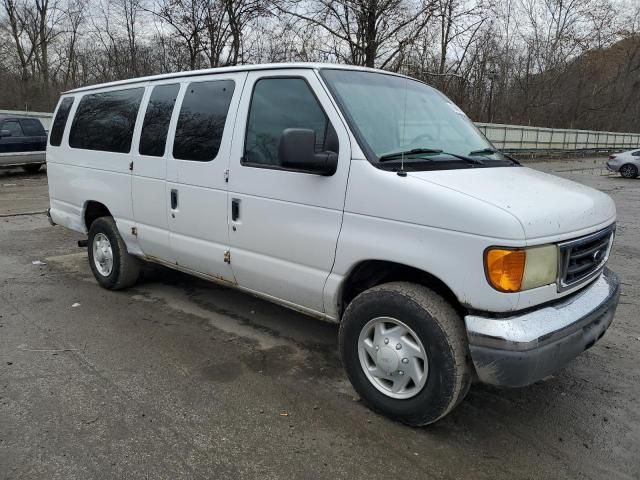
(583, 258)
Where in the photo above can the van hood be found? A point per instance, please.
(545, 205)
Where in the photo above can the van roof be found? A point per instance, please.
(239, 68)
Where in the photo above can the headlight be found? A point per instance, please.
(517, 269)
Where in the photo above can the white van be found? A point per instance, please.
(354, 195)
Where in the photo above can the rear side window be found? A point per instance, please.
(278, 104)
(201, 121)
(636, 153)
(14, 128)
(105, 121)
(156, 120)
(57, 130)
(32, 127)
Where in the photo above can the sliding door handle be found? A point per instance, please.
(174, 199)
(235, 209)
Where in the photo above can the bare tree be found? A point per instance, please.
(547, 62)
(374, 32)
(187, 18)
(240, 13)
(74, 15)
(25, 47)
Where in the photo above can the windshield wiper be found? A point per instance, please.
(417, 151)
(472, 161)
(490, 151)
(484, 151)
(396, 155)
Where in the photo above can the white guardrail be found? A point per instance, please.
(510, 138)
(519, 138)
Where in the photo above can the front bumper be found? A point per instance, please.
(522, 349)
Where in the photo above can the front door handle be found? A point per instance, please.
(235, 209)
(174, 199)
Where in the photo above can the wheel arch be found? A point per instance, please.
(370, 273)
(93, 210)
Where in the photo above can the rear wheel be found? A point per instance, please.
(405, 350)
(32, 167)
(109, 259)
(629, 170)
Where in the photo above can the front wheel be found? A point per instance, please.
(629, 170)
(109, 259)
(405, 351)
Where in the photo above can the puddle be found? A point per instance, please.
(178, 299)
(284, 342)
(75, 264)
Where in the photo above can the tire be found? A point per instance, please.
(32, 167)
(125, 268)
(436, 325)
(628, 170)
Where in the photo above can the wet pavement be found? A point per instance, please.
(179, 378)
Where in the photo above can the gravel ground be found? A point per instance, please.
(178, 378)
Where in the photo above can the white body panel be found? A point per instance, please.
(199, 230)
(299, 236)
(546, 206)
(77, 177)
(284, 241)
(149, 192)
(442, 221)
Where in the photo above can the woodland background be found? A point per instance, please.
(552, 63)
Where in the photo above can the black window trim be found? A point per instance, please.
(70, 115)
(188, 82)
(138, 137)
(110, 90)
(243, 162)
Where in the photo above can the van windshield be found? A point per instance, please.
(398, 119)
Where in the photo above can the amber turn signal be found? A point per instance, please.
(505, 268)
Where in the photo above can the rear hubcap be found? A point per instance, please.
(102, 254)
(393, 357)
(627, 170)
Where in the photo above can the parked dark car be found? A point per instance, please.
(23, 141)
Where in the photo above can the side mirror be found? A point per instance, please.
(5, 133)
(297, 151)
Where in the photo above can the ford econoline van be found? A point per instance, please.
(353, 195)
